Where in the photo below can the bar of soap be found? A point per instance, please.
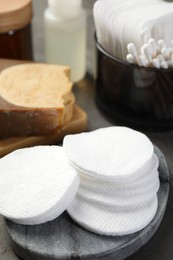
(36, 184)
(35, 99)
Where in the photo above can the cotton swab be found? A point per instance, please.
(153, 54)
(160, 58)
(143, 61)
(132, 50)
(153, 45)
(130, 58)
(146, 50)
(166, 53)
(156, 63)
(161, 44)
(164, 65)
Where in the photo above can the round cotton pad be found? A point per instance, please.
(125, 184)
(112, 152)
(120, 197)
(106, 220)
(36, 184)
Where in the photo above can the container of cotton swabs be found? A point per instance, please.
(134, 84)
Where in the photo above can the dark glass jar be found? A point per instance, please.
(15, 29)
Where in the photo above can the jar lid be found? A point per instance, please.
(65, 8)
(14, 14)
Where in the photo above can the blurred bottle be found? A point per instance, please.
(65, 35)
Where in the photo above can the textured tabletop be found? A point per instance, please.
(160, 246)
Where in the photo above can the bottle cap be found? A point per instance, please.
(66, 8)
(14, 14)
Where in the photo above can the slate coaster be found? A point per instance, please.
(64, 239)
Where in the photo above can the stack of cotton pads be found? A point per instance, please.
(119, 180)
(36, 184)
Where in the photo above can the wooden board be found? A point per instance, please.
(76, 125)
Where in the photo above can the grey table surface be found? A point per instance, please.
(160, 246)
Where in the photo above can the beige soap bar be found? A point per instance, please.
(35, 99)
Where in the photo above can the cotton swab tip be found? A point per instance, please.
(161, 43)
(160, 58)
(153, 46)
(166, 53)
(132, 50)
(156, 63)
(143, 61)
(130, 59)
(164, 65)
(146, 50)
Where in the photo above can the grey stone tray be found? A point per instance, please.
(64, 239)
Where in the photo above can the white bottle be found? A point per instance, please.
(65, 35)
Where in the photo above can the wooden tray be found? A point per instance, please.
(76, 125)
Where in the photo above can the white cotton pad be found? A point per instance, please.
(115, 221)
(146, 176)
(121, 192)
(112, 152)
(36, 184)
(120, 197)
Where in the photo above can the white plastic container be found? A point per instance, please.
(65, 35)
